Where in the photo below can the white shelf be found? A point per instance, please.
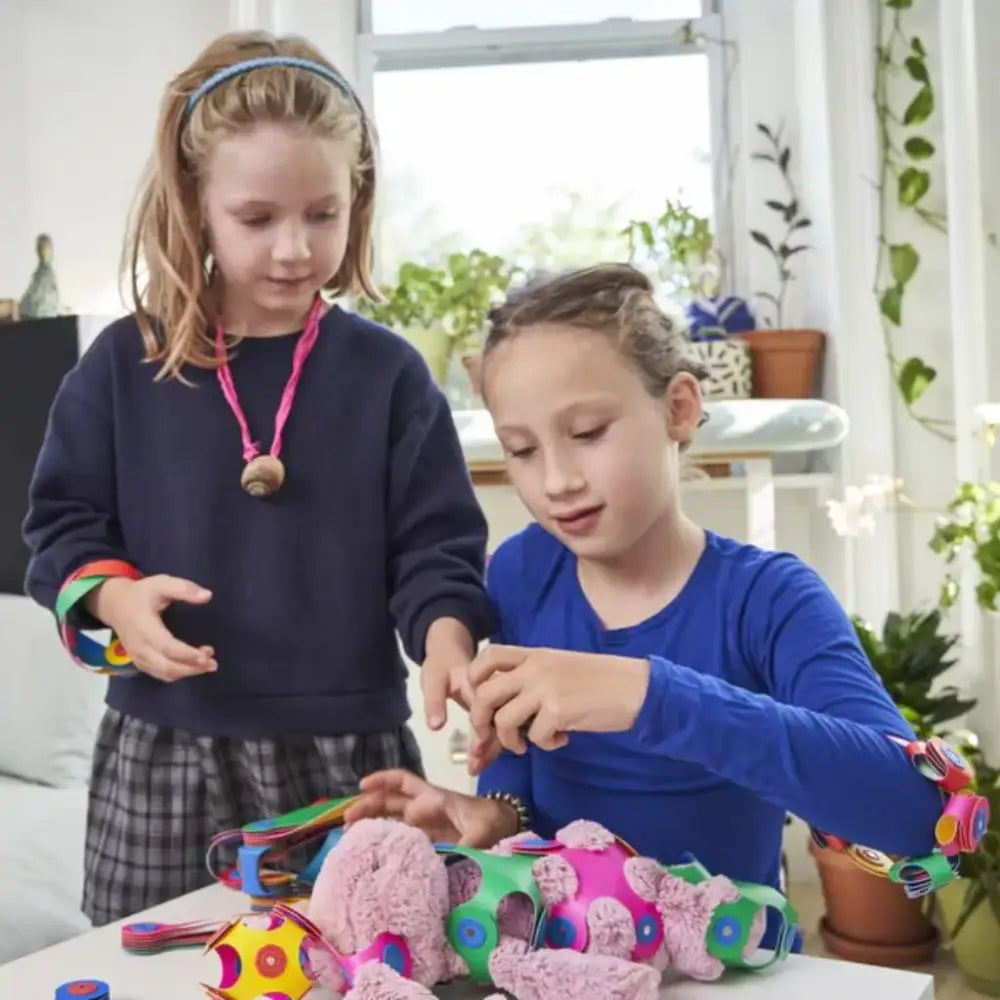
(735, 428)
(817, 481)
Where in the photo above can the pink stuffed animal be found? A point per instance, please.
(384, 897)
(601, 898)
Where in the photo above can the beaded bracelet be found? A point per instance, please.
(110, 659)
(523, 817)
(960, 829)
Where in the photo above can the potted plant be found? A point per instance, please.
(476, 282)
(442, 309)
(969, 908)
(784, 360)
(678, 251)
(868, 918)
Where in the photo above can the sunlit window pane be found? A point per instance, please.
(391, 16)
(544, 162)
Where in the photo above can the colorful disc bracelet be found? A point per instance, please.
(109, 658)
(960, 829)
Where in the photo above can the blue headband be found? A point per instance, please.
(238, 69)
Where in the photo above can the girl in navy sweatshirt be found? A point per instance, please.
(683, 689)
(252, 489)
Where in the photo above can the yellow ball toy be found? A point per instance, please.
(266, 958)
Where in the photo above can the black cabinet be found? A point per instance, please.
(35, 355)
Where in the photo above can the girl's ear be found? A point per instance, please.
(683, 405)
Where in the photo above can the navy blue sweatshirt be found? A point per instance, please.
(376, 528)
(761, 702)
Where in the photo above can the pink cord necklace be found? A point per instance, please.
(263, 474)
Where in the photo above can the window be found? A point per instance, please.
(513, 129)
(402, 16)
(544, 162)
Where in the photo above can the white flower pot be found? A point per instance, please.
(730, 371)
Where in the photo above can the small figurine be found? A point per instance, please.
(42, 297)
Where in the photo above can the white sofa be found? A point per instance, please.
(49, 711)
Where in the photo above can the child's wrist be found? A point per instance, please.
(101, 600)
(448, 637)
(507, 823)
(511, 813)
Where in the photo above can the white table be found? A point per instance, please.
(747, 431)
(176, 975)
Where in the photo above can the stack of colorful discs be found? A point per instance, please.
(148, 938)
(942, 763)
(921, 876)
(83, 989)
(963, 824)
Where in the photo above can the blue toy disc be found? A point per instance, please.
(560, 933)
(392, 955)
(83, 989)
(726, 931)
(646, 929)
(471, 932)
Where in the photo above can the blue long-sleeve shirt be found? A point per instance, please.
(760, 702)
(375, 529)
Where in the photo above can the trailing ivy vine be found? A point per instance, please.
(903, 181)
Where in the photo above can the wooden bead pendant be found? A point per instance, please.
(263, 476)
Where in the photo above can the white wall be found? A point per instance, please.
(79, 95)
(78, 106)
(13, 164)
(927, 334)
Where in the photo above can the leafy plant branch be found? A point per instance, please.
(903, 181)
(791, 221)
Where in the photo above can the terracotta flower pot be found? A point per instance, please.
(784, 362)
(869, 918)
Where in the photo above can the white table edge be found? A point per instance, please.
(156, 977)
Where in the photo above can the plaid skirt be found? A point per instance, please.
(158, 796)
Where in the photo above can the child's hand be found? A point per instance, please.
(440, 680)
(547, 693)
(132, 608)
(445, 673)
(447, 817)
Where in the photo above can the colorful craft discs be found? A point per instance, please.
(534, 845)
(116, 654)
(83, 989)
(872, 861)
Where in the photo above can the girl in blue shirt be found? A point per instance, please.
(683, 689)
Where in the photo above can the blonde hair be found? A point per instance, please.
(175, 308)
(612, 299)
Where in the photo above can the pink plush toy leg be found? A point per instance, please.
(555, 878)
(384, 876)
(687, 912)
(610, 928)
(563, 974)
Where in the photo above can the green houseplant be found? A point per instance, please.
(970, 908)
(910, 655)
(869, 918)
(442, 309)
(784, 360)
(677, 250)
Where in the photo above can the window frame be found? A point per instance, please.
(615, 38)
